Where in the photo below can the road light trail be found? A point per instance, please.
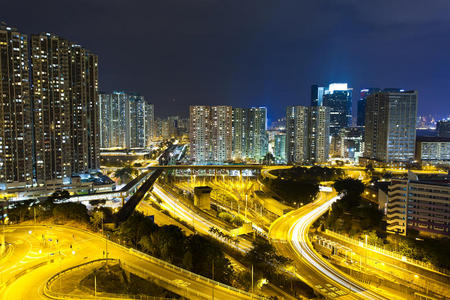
(294, 228)
(171, 204)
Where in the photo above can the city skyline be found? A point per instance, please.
(172, 67)
(224, 150)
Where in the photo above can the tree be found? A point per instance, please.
(206, 255)
(268, 159)
(370, 169)
(265, 260)
(59, 195)
(71, 211)
(125, 174)
(349, 186)
(135, 227)
(97, 219)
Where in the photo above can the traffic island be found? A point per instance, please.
(104, 279)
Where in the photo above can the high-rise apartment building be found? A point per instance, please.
(319, 133)
(297, 134)
(390, 132)
(338, 97)
(141, 117)
(50, 128)
(221, 133)
(249, 130)
(210, 134)
(199, 133)
(114, 120)
(16, 166)
(52, 107)
(83, 97)
(239, 133)
(126, 120)
(360, 120)
(279, 151)
(307, 134)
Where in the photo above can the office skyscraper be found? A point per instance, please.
(249, 127)
(307, 134)
(362, 104)
(16, 166)
(443, 128)
(390, 132)
(338, 97)
(317, 93)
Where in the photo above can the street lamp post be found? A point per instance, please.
(246, 196)
(212, 290)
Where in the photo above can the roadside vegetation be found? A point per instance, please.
(112, 279)
(300, 185)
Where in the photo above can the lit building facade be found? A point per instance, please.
(390, 132)
(319, 134)
(16, 165)
(50, 56)
(239, 133)
(66, 108)
(141, 118)
(126, 120)
(249, 131)
(114, 113)
(210, 134)
(443, 128)
(338, 97)
(199, 133)
(297, 134)
(361, 117)
(83, 95)
(433, 150)
(420, 205)
(317, 93)
(221, 133)
(349, 143)
(279, 151)
(307, 134)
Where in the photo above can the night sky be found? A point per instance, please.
(253, 52)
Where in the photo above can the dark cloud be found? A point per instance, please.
(253, 52)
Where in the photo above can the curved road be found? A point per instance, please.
(36, 261)
(289, 235)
